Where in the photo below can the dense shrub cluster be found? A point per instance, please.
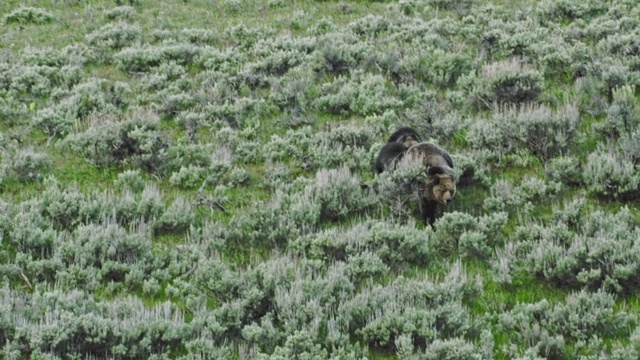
(541, 329)
(28, 15)
(134, 139)
(363, 95)
(60, 323)
(114, 36)
(143, 58)
(508, 81)
(612, 174)
(343, 145)
(542, 131)
(24, 164)
(598, 250)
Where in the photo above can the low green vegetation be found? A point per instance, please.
(194, 179)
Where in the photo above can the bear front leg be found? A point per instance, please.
(428, 211)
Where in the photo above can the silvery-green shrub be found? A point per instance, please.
(630, 146)
(568, 10)
(188, 177)
(539, 129)
(120, 13)
(623, 115)
(378, 314)
(238, 176)
(564, 169)
(200, 36)
(365, 94)
(472, 167)
(337, 53)
(391, 244)
(601, 252)
(611, 174)
(28, 15)
(114, 36)
(136, 59)
(506, 81)
(25, 164)
(135, 138)
(339, 194)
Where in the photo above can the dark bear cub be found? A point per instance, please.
(440, 186)
(399, 142)
(406, 136)
(389, 156)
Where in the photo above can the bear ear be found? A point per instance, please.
(434, 170)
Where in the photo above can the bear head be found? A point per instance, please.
(441, 185)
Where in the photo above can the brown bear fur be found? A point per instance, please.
(440, 186)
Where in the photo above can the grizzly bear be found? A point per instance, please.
(406, 136)
(440, 187)
(389, 156)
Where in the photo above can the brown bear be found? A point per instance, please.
(440, 187)
(406, 136)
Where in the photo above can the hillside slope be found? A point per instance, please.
(184, 179)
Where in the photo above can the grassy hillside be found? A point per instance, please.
(182, 179)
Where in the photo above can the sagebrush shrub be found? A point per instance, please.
(507, 81)
(394, 245)
(338, 53)
(601, 252)
(25, 164)
(109, 326)
(200, 36)
(471, 167)
(568, 9)
(176, 218)
(623, 115)
(188, 177)
(630, 146)
(143, 58)
(548, 133)
(611, 174)
(544, 132)
(365, 95)
(469, 236)
(28, 15)
(545, 328)
(130, 179)
(36, 80)
(114, 36)
(135, 138)
(379, 314)
(339, 194)
(564, 169)
(76, 54)
(120, 13)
